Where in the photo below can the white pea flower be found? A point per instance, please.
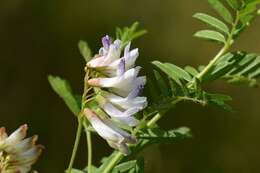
(107, 54)
(18, 154)
(108, 59)
(122, 84)
(120, 90)
(127, 102)
(116, 137)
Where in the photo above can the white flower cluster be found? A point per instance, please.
(16, 153)
(121, 99)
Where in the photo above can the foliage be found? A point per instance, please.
(173, 84)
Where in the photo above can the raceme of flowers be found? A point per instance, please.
(119, 95)
(17, 154)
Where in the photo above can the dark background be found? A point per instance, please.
(39, 37)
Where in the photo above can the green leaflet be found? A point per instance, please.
(234, 4)
(223, 66)
(63, 89)
(182, 74)
(153, 92)
(161, 83)
(157, 135)
(210, 35)
(125, 166)
(139, 167)
(173, 71)
(191, 70)
(237, 67)
(168, 71)
(219, 100)
(221, 10)
(246, 14)
(212, 21)
(128, 34)
(85, 50)
(106, 161)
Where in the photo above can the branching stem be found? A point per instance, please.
(222, 51)
(151, 122)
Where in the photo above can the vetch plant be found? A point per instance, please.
(112, 104)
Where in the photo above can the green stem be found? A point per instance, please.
(113, 162)
(222, 51)
(154, 120)
(89, 142)
(76, 144)
(150, 123)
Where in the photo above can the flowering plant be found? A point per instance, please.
(113, 106)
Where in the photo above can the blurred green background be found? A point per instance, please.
(39, 37)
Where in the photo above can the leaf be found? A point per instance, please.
(168, 71)
(212, 21)
(173, 71)
(128, 34)
(125, 166)
(85, 50)
(139, 166)
(210, 35)
(191, 70)
(219, 100)
(222, 66)
(153, 92)
(63, 89)
(93, 169)
(106, 161)
(234, 4)
(221, 10)
(182, 74)
(161, 83)
(156, 135)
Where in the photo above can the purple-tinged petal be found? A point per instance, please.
(106, 41)
(130, 121)
(117, 44)
(107, 129)
(121, 67)
(112, 111)
(136, 91)
(127, 48)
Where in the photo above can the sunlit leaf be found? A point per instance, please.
(210, 35)
(125, 166)
(63, 89)
(158, 135)
(191, 70)
(212, 21)
(221, 10)
(166, 69)
(234, 4)
(85, 50)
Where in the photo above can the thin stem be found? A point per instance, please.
(113, 162)
(222, 51)
(150, 123)
(154, 120)
(80, 124)
(89, 142)
(76, 144)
